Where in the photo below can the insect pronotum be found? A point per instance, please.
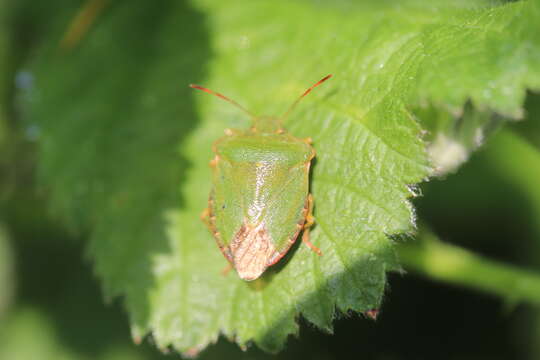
(260, 200)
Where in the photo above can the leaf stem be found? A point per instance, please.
(429, 256)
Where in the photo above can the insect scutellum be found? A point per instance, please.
(264, 124)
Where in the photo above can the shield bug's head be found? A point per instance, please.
(264, 124)
(267, 124)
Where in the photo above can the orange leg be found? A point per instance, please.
(205, 217)
(227, 269)
(309, 222)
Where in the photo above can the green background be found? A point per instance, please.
(104, 151)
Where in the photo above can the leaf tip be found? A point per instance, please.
(372, 314)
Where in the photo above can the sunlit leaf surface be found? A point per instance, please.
(125, 144)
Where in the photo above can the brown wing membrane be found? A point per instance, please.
(251, 250)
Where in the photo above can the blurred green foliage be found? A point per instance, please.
(103, 142)
(7, 276)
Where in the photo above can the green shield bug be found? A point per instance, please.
(260, 200)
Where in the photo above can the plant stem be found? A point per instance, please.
(435, 259)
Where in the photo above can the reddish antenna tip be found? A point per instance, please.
(326, 78)
(304, 94)
(221, 96)
(198, 87)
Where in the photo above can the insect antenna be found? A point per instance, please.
(221, 96)
(304, 94)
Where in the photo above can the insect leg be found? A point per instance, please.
(309, 222)
(205, 217)
(226, 269)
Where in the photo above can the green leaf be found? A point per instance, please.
(488, 59)
(124, 144)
